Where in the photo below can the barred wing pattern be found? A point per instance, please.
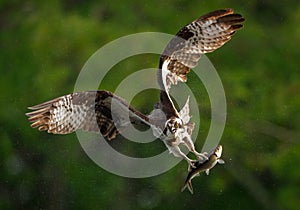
(92, 111)
(204, 35)
(95, 111)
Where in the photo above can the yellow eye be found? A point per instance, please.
(176, 125)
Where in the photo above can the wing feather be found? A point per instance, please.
(204, 35)
(92, 111)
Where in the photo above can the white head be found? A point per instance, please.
(172, 126)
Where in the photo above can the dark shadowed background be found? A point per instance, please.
(43, 48)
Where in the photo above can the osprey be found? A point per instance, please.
(102, 111)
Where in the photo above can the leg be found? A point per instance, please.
(190, 145)
(178, 153)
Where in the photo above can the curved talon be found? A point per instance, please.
(192, 165)
(202, 156)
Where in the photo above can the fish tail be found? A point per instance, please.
(190, 187)
(184, 186)
(188, 184)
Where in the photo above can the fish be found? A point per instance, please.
(214, 157)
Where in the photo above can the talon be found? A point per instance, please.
(206, 157)
(192, 165)
(202, 156)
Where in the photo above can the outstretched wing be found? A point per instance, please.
(204, 35)
(92, 111)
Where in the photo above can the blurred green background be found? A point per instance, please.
(44, 45)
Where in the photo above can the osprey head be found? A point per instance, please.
(173, 125)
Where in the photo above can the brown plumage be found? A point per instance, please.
(104, 112)
(89, 111)
(204, 35)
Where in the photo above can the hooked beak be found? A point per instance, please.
(173, 130)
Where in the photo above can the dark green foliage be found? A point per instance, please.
(44, 45)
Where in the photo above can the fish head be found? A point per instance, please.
(218, 151)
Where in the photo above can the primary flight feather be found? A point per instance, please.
(92, 111)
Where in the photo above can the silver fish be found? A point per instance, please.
(214, 157)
